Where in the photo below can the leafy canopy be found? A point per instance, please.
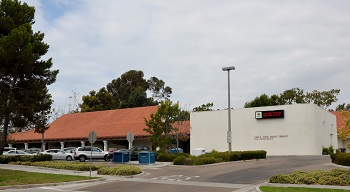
(323, 99)
(204, 107)
(127, 91)
(24, 76)
(160, 124)
(344, 131)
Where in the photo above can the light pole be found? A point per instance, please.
(229, 133)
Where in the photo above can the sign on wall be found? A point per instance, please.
(269, 114)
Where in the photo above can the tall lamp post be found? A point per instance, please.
(229, 133)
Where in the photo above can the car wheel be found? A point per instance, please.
(106, 158)
(82, 158)
(69, 158)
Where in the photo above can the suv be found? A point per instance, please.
(83, 153)
(134, 152)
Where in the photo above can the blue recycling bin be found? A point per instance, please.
(121, 157)
(173, 151)
(147, 157)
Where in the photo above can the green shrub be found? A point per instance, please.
(205, 160)
(77, 166)
(234, 156)
(333, 177)
(23, 158)
(124, 170)
(280, 178)
(300, 177)
(341, 159)
(179, 160)
(330, 180)
(216, 157)
(166, 157)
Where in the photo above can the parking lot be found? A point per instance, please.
(232, 176)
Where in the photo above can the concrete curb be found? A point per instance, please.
(304, 185)
(50, 184)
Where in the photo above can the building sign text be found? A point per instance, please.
(269, 114)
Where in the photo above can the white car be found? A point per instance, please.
(58, 154)
(84, 153)
(16, 152)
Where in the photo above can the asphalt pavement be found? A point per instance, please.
(243, 176)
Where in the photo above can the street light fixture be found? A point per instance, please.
(229, 133)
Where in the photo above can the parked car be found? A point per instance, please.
(69, 149)
(83, 153)
(134, 152)
(9, 148)
(32, 150)
(111, 151)
(58, 154)
(16, 152)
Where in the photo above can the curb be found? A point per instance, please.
(304, 186)
(49, 184)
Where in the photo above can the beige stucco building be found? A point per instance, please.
(301, 129)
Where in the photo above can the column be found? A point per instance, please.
(105, 145)
(25, 145)
(82, 143)
(10, 145)
(62, 145)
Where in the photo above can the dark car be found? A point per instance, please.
(32, 150)
(134, 152)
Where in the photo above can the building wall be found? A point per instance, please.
(304, 129)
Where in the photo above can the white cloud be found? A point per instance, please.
(274, 45)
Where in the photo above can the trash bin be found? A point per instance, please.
(173, 151)
(147, 157)
(121, 157)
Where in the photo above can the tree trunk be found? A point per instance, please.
(42, 141)
(4, 134)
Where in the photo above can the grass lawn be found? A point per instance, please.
(297, 189)
(13, 177)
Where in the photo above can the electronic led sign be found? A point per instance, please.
(269, 114)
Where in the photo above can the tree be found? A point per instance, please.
(263, 100)
(292, 96)
(102, 100)
(158, 89)
(204, 107)
(343, 107)
(42, 121)
(344, 131)
(323, 99)
(24, 76)
(129, 83)
(127, 91)
(161, 124)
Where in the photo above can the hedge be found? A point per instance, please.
(217, 157)
(333, 177)
(341, 159)
(4, 159)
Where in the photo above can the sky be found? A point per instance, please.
(274, 46)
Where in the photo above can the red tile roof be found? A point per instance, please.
(107, 124)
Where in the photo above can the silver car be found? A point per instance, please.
(58, 154)
(87, 152)
(16, 152)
